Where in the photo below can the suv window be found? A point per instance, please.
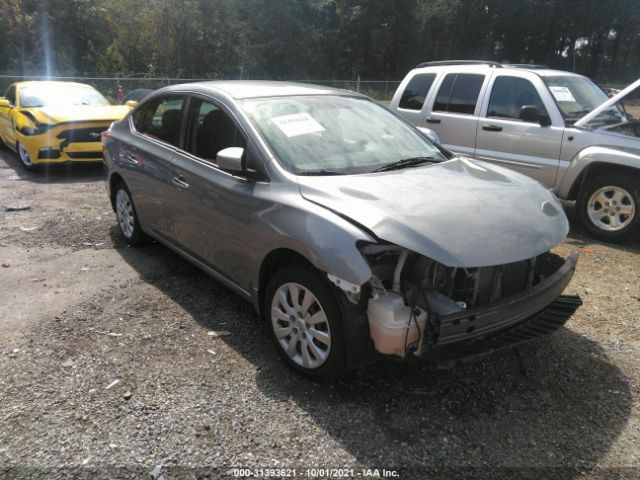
(459, 93)
(11, 95)
(510, 94)
(160, 118)
(416, 91)
(210, 130)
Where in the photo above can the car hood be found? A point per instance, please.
(76, 113)
(606, 104)
(461, 213)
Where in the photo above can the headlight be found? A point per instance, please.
(37, 130)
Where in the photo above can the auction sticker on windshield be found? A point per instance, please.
(297, 124)
(562, 94)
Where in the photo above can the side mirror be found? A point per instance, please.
(230, 159)
(4, 103)
(432, 136)
(131, 104)
(531, 114)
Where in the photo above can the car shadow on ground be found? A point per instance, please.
(53, 173)
(551, 408)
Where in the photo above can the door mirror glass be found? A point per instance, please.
(4, 103)
(531, 113)
(230, 159)
(432, 136)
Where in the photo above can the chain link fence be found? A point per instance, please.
(108, 86)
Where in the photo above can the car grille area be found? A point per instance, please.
(82, 135)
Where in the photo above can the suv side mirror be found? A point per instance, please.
(4, 103)
(530, 113)
(230, 159)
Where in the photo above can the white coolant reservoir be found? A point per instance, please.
(389, 323)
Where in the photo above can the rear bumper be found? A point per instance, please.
(533, 313)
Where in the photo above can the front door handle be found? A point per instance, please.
(433, 120)
(180, 183)
(492, 128)
(131, 158)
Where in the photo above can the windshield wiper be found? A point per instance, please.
(320, 172)
(405, 163)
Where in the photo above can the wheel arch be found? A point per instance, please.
(596, 160)
(273, 262)
(114, 180)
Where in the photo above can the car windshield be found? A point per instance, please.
(47, 95)
(336, 134)
(576, 96)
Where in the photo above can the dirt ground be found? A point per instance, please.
(107, 369)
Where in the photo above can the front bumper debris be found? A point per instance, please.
(532, 313)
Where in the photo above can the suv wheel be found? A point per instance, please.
(609, 207)
(305, 322)
(127, 217)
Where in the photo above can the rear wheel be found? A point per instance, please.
(25, 158)
(127, 216)
(305, 322)
(609, 207)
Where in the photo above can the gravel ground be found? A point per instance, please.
(107, 369)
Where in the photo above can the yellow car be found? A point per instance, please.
(54, 122)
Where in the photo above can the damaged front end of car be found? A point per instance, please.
(418, 307)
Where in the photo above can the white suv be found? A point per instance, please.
(557, 127)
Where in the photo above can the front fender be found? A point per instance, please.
(324, 238)
(596, 155)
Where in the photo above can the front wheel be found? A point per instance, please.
(25, 158)
(305, 322)
(609, 207)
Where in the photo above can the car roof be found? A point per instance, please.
(480, 66)
(49, 82)
(241, 89)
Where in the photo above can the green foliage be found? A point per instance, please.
(307, 39)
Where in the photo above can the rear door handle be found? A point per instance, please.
(433, 120)
(180, 183)
(492, 128)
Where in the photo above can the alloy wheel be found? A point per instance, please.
(611, 208)
(24, 156)
(300, 325)
(124, 211)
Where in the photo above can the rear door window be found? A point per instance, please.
(161, 119)
(11, 95)
(210, 129)
(416, 92)
(510, 94)
(459, 93)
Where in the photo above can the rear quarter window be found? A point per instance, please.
(459, 93)
(416, 92)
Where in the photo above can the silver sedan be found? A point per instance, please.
(352, 234)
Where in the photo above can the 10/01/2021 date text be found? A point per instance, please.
(313, 473)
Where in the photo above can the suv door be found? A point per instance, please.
(506, 137)
(215, 224)
(454, 112)
(147, 165)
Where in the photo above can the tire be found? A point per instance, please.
(318, 349)
(608, 207)
(24, 157)
(127, 217)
